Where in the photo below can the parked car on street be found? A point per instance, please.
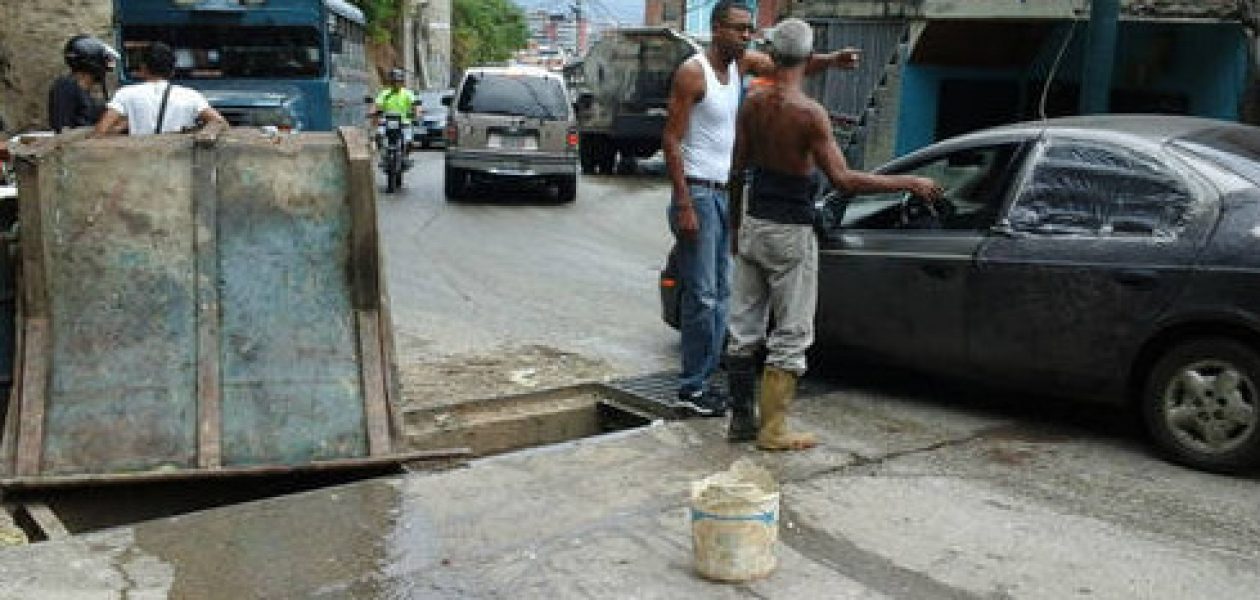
(514, 126)
(1107, 258)
(434, 106)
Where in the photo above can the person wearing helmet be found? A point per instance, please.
(70, 100)
(398, 99)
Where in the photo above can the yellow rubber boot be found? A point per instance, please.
(778, 387)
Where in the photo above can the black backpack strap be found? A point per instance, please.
(162, 110)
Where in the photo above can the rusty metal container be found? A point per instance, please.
(194, 305)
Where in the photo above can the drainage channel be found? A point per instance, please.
(487, 427)
(505, 424)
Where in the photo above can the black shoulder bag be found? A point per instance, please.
(162, 109)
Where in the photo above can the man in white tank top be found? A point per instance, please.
(698, 140)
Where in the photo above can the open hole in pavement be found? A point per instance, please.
(500, 425)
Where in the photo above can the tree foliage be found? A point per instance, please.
(485, 31)
(381, 16)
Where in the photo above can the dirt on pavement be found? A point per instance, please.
(509, 370)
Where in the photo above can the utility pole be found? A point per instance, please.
(1100, 56)
(579, 13)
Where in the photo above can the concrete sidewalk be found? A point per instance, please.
(901, 501)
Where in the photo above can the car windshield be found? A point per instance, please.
(512, 94)
(432, 102)
(1236, 148)
(222, 51)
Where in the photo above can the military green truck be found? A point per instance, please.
(622, 90)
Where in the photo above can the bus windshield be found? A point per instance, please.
(232, 51)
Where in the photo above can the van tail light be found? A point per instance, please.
(572, 139)
(452, 134)
(4, 152)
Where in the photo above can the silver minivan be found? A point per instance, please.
(511, 125)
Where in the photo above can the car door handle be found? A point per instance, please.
(937, 271)
(1142, 279)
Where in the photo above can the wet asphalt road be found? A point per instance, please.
(512, 269)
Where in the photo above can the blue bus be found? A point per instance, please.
(292, 64)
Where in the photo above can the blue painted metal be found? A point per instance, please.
(291, 378)
(165, 335)
(1100, 56)
(317, 102)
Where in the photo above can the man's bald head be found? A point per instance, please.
(791, 42)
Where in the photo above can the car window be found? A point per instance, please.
(974, 181)
(1091, 188)
(513, 94)
(431, 104)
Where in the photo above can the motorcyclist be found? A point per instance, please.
(397, 99)
(70, 99)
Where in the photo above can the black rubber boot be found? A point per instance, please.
(741, 376)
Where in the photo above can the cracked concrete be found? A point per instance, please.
(908, 497)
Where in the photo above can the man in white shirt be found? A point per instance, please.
(142, 105)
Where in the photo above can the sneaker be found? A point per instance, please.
(701, 404)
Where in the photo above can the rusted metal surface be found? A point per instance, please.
(120, 270)
(206, 233)
(198, 304)
(292, 384)
(442, 456)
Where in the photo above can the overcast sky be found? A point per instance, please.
(628, 12)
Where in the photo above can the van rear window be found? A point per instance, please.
(508, 94)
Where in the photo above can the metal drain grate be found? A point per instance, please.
(656, 392)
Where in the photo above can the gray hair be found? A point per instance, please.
(791, 42)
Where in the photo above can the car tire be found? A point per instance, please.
(1201, 404)
(454, 185)
(566, 189)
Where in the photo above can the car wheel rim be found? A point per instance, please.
(1210, 406)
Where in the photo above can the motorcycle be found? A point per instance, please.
(391, 133)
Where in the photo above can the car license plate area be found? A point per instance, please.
(513, 142)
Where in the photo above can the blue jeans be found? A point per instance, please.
(704, 270)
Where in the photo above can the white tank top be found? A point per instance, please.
(710, 136)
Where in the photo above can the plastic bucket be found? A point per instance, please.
(735, 524)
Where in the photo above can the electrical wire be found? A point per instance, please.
(1054, 70)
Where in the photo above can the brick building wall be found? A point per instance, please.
(32, 33)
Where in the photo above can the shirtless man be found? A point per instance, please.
(782, 136)
(698, 139)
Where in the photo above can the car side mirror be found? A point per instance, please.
(336, 43)
(369, 100)
(446, 100)
(584, 101)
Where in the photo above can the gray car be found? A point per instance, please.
(1113, 258)
(512, 126)
(435, 110)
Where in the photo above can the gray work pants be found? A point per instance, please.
(776, 273)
